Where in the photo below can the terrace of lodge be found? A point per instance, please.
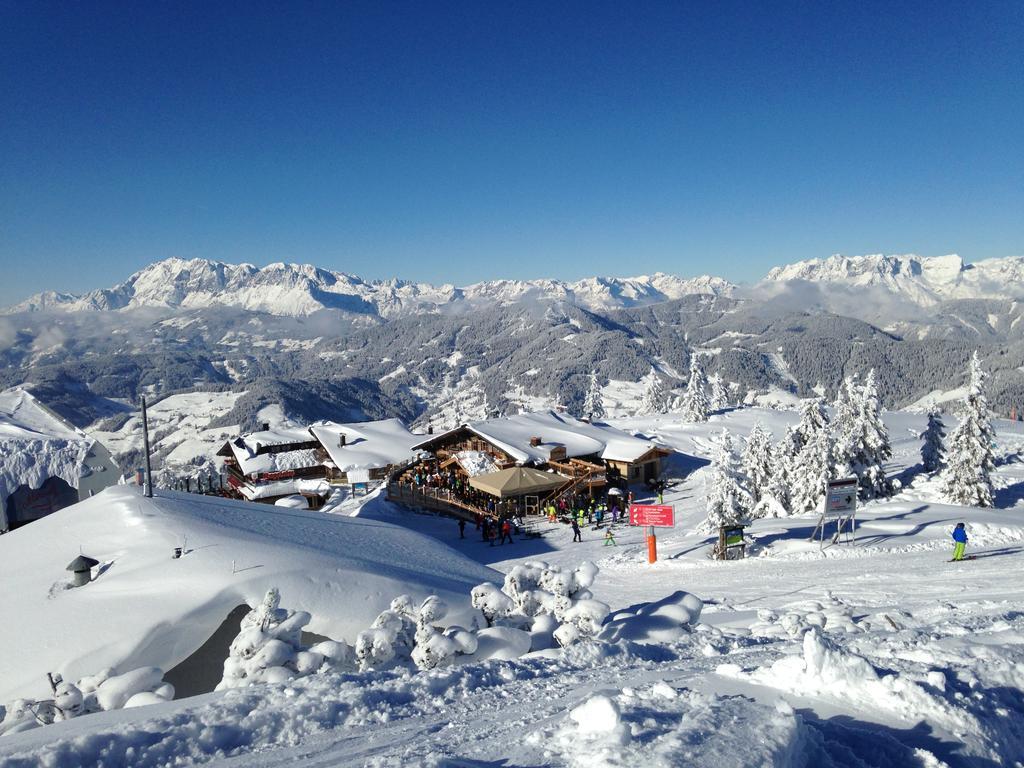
(519, 465)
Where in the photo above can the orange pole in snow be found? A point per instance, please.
(652, 545)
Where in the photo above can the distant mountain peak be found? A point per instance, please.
(925, 280)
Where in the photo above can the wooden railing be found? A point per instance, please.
(437, 499)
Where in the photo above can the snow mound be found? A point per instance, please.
(793, 620)
(831, 671)
(660, 725)
(662, 621)
(146, 609)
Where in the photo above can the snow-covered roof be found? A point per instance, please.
(288, 487)
(246, 449)
(476, 462)
(368, 444)
(151, 609)
(513, 434)
(22, 417)
(35, 445)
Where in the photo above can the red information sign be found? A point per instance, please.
(658, 515)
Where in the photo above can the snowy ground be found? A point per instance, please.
(874, 653)
(179, 428)
(145, 608)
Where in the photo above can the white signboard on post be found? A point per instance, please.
(842, 497)
(841, 506)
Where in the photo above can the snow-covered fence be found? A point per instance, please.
(97, 693)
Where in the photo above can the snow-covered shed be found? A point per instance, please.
(364, 450)
(551, 439)
(46, 463)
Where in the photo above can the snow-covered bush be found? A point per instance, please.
(581, 621)
(538, 607)
(269, 648)
(95, 693)
(491, 602)
(547, 604)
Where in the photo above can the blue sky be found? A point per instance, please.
(459, 142)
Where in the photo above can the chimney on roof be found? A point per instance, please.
(342, 440)
(266, 426)
(430, 429)
(535, 441)
(81, 570)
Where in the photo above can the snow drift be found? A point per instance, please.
(144, 608)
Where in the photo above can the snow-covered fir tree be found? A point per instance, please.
(593, 404)
(694, 403)
(933, 453)
(784, 458)
(862, 444)
(845, 417)
(719, 394)
(774, 500)
(813, 420)
(810, 474)
(758, 464)
(655, 397)
(843, 407)
(969, 459)
(877, 448)
(728, 502)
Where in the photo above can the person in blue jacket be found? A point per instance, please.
(960, 537)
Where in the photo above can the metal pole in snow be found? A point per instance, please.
(652, 545)
(148, 490)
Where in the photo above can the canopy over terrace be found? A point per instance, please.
(517, 481)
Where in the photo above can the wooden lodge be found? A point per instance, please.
(588, 456)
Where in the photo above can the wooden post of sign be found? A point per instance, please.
(652, 545)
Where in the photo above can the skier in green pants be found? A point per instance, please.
(960, 539)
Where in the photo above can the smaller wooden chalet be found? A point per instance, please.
(273, 463)
(593, 453)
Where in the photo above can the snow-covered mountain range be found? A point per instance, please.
(301, 289)
(298, 290)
